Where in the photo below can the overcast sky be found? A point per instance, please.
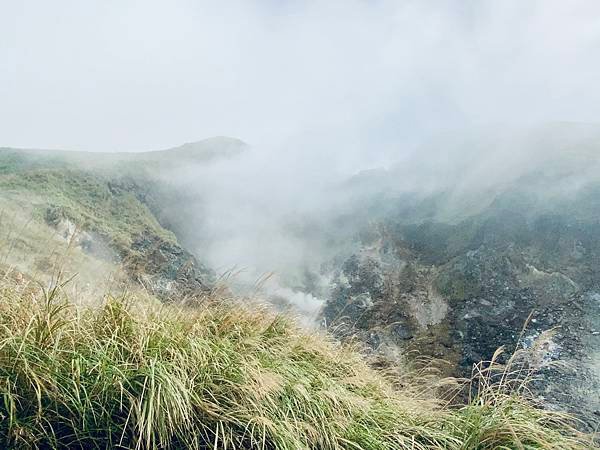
(375, 76)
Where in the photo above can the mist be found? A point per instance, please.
(337, 101)
(369, 80)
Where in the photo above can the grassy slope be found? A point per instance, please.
(105, 194)
(150, 376)
(84, 198)
(36, 249)
(32, 200)
(98, 190)
(82, 194)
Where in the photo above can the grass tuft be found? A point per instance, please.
(135, 374)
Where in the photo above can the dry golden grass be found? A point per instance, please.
(132, 373)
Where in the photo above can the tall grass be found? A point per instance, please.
(138, 375)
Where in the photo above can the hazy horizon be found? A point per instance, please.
(356, 84)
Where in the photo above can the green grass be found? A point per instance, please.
(112, 210)
(98, 192)
(86, 199)
(132, 373)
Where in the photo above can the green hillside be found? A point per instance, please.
(105, 202)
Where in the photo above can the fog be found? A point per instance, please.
(367, 80)
(433, 96)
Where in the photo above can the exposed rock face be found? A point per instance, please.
(166, 269)
(388, 299)
(459, 292)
